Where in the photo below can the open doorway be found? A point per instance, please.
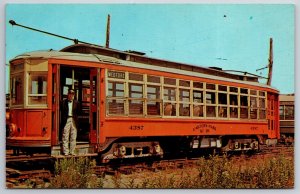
(79, 80)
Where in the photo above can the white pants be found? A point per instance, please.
(69, 136)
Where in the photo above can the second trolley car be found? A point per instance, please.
(287, 118)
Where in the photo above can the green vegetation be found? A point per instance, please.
(215, 172)
(75, 173)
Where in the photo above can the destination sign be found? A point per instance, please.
(116, 74)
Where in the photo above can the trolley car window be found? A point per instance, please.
(169, 94)
(184, 95)
(262, 114)
(153, 100)
(222, 111)
(115, 89)
(233, 89)
(222, 107)
(211, 111)
(244, 100)
(37, 84)
(153, 79)
(244, 91)
(17, 90)
(253, 92)
(198, 111)
(222, 88)
(286, 112)
(135, 105)
(184, 109)
(184, 83)
(281, 112)
(116, 106)
(262, 103)
(135, 90)
(222, 98)
(198, 96)
(37, 88)
(153, 108)
(244, 113)
(210, 86)
(115, 97)
(153, 92)
(289, 112)
(233, 103)
(244, 107)
(169, 109)
(253, 109)
(233, 99)
(198, 85)
(261, 93)
(253, 102)
(169, 81)
(233, 112)
(135, 77)
(210, 97)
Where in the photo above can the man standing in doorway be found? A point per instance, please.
(70, 111)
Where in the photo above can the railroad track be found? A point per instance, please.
(129, 167)
(10, 158)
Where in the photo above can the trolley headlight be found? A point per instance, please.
(7, 116)
(12, 130)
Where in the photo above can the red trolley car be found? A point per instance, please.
(136, 106)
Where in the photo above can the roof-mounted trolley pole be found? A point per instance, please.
(270, 63)
(76, 41)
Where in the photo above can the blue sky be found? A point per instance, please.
(233, 37)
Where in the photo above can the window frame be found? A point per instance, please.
(22, 89)
(28, 95)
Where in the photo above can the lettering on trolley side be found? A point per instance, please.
(136, 127)
(204, 128)
(254, 128)
(116, 74)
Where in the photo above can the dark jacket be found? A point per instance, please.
(65, 111)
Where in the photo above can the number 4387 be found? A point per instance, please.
(136, 127)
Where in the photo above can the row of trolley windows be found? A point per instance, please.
(146, 95)
(286, 112)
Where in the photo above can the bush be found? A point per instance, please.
(221, 172)
(213, 173)
(75, 173)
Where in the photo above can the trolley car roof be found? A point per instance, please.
(112, 60)
(287, 97)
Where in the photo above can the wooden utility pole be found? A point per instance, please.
(107, 31)
(270, 65)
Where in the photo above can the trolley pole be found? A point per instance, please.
(76, 41)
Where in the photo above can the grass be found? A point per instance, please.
(75, 173)
(213, 173)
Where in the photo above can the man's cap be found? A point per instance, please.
(71, 91)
